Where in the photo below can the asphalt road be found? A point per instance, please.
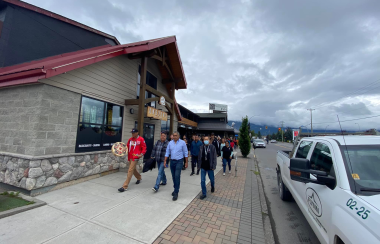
(290, 226)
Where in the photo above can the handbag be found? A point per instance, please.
(140, 165)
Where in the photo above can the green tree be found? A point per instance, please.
(269, 137)
(278, 136)
(288, 136)
(253, 134)
(259, 135)
(244, 139)
(273, 136)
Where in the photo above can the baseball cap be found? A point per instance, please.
(134, 130)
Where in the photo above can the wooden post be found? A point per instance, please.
(172, 92)
(140, 120)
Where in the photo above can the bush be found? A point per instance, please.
(244, 139)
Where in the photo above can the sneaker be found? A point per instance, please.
(175, 197)
(121, 189)
(138, 181)
(192, 173)
(202, 197)
(154, 189)
(212, 189)
(224, 173)
(162, 184)
(197, 173)
(229, 172)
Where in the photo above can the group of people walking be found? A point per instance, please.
(204, 152)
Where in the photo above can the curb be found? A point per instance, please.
(37, 203)
(269, 237)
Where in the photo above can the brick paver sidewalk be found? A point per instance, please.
(225, 216)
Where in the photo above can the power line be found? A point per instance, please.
(349, 120)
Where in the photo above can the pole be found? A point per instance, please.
(282, 130)
(311, 119)
(358, 126)
(326, 128)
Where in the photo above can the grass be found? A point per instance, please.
(255, 172)
(11, 200)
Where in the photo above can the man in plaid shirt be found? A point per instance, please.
(158, 152)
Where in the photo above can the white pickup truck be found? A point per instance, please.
(335, 181)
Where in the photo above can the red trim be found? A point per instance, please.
(24, 74)
(59, 17)
(22, 81)
(183, 73)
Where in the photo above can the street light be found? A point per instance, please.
(358, 126)
(326, 128)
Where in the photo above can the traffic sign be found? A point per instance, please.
(279, 129)
(266, 127)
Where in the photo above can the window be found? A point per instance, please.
(321, 158)
(303, 149)
(151, 80)
(100, 125)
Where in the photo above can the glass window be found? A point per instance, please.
(100, 125)
(321, 158)
(303, 149)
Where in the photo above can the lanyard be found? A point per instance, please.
(134, 146)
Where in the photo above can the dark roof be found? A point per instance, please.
(59, 17)
(182, 107)
(215, 127)
(212, 115)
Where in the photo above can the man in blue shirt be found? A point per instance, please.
(195, 145)
(177, 150)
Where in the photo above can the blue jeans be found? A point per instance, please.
(203, 179)
(176, 169)
(161, 175)
(225, 161)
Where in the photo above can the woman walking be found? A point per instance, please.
(227, 153)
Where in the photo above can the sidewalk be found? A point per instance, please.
(94, 212)
(230, 215)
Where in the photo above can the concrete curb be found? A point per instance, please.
(37, 203)
(269, 237)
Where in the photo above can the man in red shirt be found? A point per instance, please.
(136, 149)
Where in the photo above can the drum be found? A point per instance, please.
(119, 149)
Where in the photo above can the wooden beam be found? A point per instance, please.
(173, 109)
(157, 93)
(140, 120)
(131, 102)
(152, 99)
(169, 71)
(163, 56)
(142, 54)
(168, 81)
(170, 111)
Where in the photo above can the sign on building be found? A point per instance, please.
(218, 107)
(157, 114)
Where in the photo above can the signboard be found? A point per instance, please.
(295, 134)
(157, 114)
(162, 101)
(218, 107)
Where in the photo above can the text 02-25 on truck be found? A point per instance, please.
(335, 181)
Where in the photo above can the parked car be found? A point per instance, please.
(258, 143)
(273, 141)
(335, 181)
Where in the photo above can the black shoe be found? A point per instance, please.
(192, 173)
(212, 189)
(173, 193)
(162, 184)
(138, 182)
(202, 197)
(121, 189)
(175, 197)
(197, 173)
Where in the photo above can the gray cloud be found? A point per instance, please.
(269, 58)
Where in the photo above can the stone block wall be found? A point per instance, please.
(38, 120)
(37, 172)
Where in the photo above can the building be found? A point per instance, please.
(62, 106)
(214, 122)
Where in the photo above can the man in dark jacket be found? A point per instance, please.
(158, 152)
(216, 144)
(194, 150)
(207, 164)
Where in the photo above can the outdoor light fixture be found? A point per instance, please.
(131, 110)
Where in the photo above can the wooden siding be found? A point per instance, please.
(113, 80)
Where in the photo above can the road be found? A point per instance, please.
(290, 226)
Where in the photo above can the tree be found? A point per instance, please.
(273, 136)
(268, 137)
(244, 139)
(259, 135)
(253, 134)
(288, 136)
(279, 136)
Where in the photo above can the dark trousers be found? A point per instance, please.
(194, 162)
(176, 168)
(211, 176)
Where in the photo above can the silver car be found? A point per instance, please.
(258, 143)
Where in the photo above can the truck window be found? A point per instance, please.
(303, 149)
(321, 158)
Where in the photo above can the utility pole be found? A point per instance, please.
(311, 118)
(282, 130)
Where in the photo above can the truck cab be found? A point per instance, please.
(336, 183)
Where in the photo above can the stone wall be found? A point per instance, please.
(38, 120)
(37, 172)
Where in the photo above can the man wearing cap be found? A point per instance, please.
(177, 150)
(136, 149)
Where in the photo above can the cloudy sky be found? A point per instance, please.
(271, 58)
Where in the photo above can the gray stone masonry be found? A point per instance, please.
(36, 172)
(38, 120)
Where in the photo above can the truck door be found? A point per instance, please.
(319, 199)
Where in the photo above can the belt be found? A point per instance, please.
(177, 159)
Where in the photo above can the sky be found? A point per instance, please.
(270, 60)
